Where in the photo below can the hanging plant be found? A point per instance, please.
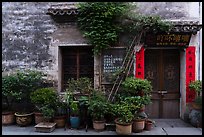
(102, 22)
(97, 20)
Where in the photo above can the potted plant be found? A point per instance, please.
(82, 86)
(9, 96)
(148, 124)
(27, 81)
(46, 125)
(75, 90)
(74, 114)
(136, 87)
(60, 114)
(40, 98)
(196, 86)
(45, 100)
(137, 102)
(97, 109)
(123, 112)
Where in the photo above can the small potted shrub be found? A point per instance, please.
(74, 114)
(136, 87)
(196, 86)
(97, 109)
(9, 96)
(81, 86)
(123, 112)
(137, 102)
(40, 98)
(28, 81)
(48, 114)
(60, 114)
(45, 99)
(76, 90)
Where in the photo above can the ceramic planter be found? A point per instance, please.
(38, 117)
(60, 121)
(99, 125)
(24, 119)
(148, 124)
(123, 129)
(138, 125)
(74, 121)
(8, 118)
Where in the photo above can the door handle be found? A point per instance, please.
(162, 92)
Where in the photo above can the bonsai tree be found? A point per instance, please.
(45, 100)
(48, 112)
(135, 86)
(43, 97)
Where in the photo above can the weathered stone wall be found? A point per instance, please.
(30, 37)
(26, 31)
(168, 10)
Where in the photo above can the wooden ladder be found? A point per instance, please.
(126, 67)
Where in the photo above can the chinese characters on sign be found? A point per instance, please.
(140, 64)
(175, 39)
(112, 60)
(190, 72)
(111, 63)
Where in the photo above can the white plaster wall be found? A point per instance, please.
(200, 44)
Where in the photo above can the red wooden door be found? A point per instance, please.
(162, 68)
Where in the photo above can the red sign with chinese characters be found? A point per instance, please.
(190, 72)
(139, 73)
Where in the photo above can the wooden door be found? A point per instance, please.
(76, 62)
(162, 68)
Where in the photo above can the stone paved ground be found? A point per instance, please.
(161, 127)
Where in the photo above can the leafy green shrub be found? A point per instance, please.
(98, 105)
(44, 96)
(9, 94)
(18, 86)
(123, 112)
(82, 85)
(74, 108)
(133, 86)
(48, 112)
(196, 86)
(97, 20)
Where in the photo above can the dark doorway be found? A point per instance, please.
(76, 62)
(162, 68)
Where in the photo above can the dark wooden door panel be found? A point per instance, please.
(152, 109)
(162, 69)
(170, 108)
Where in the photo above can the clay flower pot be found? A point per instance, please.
(8, 118)
(123, 128)
(138, 125)
(148, 124)
(99, 125)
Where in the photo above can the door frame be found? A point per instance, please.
(182, 107)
